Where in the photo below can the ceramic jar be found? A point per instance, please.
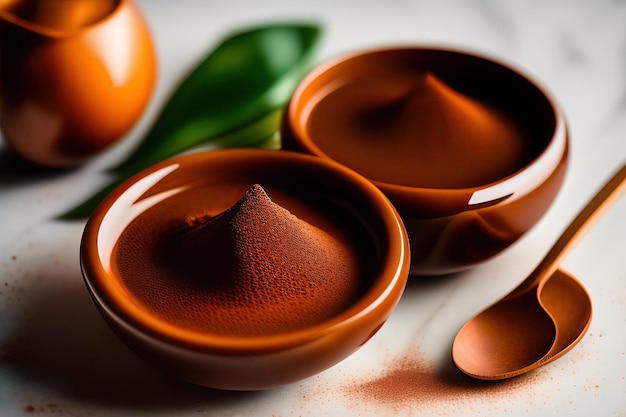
(75, 76)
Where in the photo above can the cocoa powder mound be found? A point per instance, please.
(252, 269)
(399, 125)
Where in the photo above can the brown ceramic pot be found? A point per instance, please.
(451, 227)
(75, 76)
(245, 362)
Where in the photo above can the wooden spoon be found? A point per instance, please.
(544, 317)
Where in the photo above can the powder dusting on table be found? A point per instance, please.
(411, 381)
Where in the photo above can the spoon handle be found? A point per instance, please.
(592, 212)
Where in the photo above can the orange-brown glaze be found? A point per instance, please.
(55, 14)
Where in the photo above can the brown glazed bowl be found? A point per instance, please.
(450, 228)
(75, 76)
(247, 362)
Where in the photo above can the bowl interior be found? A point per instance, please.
(322, 193)
(499, 86)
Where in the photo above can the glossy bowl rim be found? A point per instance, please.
(59, 33)
(384, 293)
(519, 183)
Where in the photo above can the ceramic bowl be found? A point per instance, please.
(247, 362)
(450, 228)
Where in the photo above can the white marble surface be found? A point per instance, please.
(58, 357)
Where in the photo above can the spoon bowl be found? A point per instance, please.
(544, 317)
(568, 303)
(554, 319)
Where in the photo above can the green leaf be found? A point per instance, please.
(263, 133)
(84, 210)
(233, 98)
(254, 134)
(249, 75)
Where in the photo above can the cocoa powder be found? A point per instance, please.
(252, 269)
(408, 127)
(411, 381)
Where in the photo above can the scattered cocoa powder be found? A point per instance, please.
(252, 269)
(50, 408)
(412, 381)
